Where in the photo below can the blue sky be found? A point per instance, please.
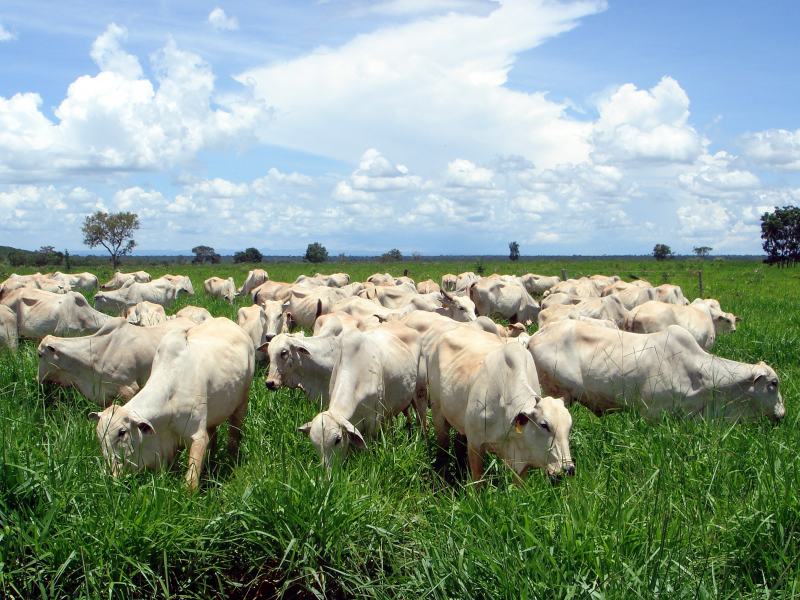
(442, 127)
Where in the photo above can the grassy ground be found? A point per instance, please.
(680, 509)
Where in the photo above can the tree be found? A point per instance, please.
(316, 253)
(47, 255)
(513, 251)
(204, 254)
(67, 262)
(662, 251)
(112, 231)
(780, 231)
(392, 255)
(16, 259)
(702, 251)
(250, 255)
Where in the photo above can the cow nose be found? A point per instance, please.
(271, 385)
(269, 337)
(570, 470)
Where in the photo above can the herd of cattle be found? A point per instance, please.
(379, 348)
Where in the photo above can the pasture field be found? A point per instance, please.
(679, 509)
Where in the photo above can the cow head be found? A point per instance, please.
(539, 438)
(458, 308)
(123, 437)
(275, 319)
(285, 355)
(332, 436)
(765, 394)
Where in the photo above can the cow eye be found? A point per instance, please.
(284, 353)
(338, 440)
(122, 432)
(545, 425)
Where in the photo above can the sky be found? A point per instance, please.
(440, 127)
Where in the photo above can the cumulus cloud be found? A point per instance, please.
(716, 175)
(6, 35)
(375, 172)
(399, 8)
(222, 22)
(431, 83)
(646, 125)
(465, 173)
(117, 120)
(776, 148)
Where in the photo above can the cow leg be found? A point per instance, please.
(197, 452)
(212, 441)
(407, 415)
(442, 440)
(421, 408)
(235, 422)
(475, 463)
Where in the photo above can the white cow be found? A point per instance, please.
(160, 291)
(82, 282)
(199, 379)
(220, 288)
(428, 286)
(374, 379)
(114, 362)
(254, 279)
(182, 283)
(608, 308)
(487, 390)
(538, 284)
(702, 318)
(633, 296)
(449, 282)
(40, 313)
(651, 373)
(254, 322)
(9, 335)
(296, 361)
(464, 280)
(194, 313)
(119, 279)
(272, 290)
(145, 314)
(509, 299)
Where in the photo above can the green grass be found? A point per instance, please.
(676, 510)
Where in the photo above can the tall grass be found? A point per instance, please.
(677, 509)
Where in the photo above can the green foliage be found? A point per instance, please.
(17, 259)
(780, 231)
(112, 231)
(393, 255)
(206, 254)
(47, 255)
(250, 255)
(513, 251)
(662, 252)
(702, 251)
(479, 268)
(316, 253)
(677, 509)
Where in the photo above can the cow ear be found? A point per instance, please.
(319, 308)
(305, 428)
(290, 322)
(303, 350)
(759, 377)
(146, 427)
(263, 348)
(93, 416)
(355, 435)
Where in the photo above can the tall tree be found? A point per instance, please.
(780, 231)
(249, 255)
(662, 251)
(702, 250)
(112, 231)
(513, 251)
(204, 254)
(316, 253)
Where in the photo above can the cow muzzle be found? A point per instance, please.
(271, 384)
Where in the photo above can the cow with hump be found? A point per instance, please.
(217, 287)
(487, 390)
(200, 378)
(113, 363)
(655, 373)
(40, 313)
(374, 379)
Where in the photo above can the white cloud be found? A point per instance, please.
(6, 35)
(646, 125)
(399, 8)
(222, 22)
(432, 83)
(376, 173)
(776, 148)
(119, 121)
(714, 175)
(465, 173)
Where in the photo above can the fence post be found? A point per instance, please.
(563, 274)
(700, 283)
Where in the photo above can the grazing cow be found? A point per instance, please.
(406, 281)
(374, 379)
(9, 335)
(380, 279)
(463, 281)
(651, 373)
(583, 287)
(633, 296)
(334, 323)
(296, 361)
(449, 282)
(272, 290)
(46, 282)
(200, 378)
(318, 279)
(220, 288)
(160, 291)
(119, 279)
(182, 283)
(621, 286)
(607, 308)
(306, 304)
(429, 286)
(702, 318)
(145, 314)
(559, 298)
(508, 299)
(254, 279)
(82, 282)
(194, 313)
(488, 390)
(254, 322)
(536, 285)
(114, 362)
(41, 313)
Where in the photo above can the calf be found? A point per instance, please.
(220, 288)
